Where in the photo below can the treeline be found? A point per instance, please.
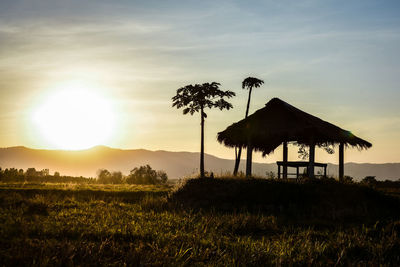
(39, 176)
(139, 175)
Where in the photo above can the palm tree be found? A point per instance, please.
(248, 83)
(196, 98)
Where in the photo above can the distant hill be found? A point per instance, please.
(176, 164)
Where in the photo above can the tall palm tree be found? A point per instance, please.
(196, 98)
(248, 83)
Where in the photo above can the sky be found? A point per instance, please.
(338, 60)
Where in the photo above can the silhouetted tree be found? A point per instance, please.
(31, 172)
(304, 152)
(198, 97)
(146, 175)
(116, 177)
(106, 177)
(248, 83)
(162, 175)
(44, 172)
(13, 172)
(103, 176)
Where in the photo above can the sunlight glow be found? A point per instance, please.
(74, 116)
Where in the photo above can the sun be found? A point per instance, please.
(74, 117)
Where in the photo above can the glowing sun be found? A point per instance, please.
(74, 118)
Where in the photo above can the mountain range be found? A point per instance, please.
(177, 164)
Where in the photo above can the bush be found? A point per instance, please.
(369, 180)
(346, 179)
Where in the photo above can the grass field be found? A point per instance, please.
(74, 224)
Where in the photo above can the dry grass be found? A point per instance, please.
(125, 227)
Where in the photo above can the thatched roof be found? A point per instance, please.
(278, 122)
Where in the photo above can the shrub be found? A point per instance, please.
(369, 180)
(346, 179)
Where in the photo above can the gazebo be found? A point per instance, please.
(279, 123)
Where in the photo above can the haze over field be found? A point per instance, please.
(76, 74)
(176, 164)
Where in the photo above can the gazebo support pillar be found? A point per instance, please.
(285, 159)
(249, 160)
(279, 171)
(312, 161)
(341, 161)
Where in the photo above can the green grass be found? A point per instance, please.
(86, 186)
(62, 224)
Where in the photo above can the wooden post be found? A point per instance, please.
(341, 161)
(297, 172)
(312, 160)
(279, 171)
(324, 171)
(285, 159)
(249, 159)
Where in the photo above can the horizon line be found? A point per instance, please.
(162, 150)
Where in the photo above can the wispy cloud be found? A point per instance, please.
(325, 56)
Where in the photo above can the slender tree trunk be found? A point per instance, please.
(249, 160)
(239, 154)
(249, 147)
(248, 102)
(202, 146)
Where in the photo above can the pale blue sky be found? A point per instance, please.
(338, 60)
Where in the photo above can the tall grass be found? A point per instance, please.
(310, 200)
(46, 225)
